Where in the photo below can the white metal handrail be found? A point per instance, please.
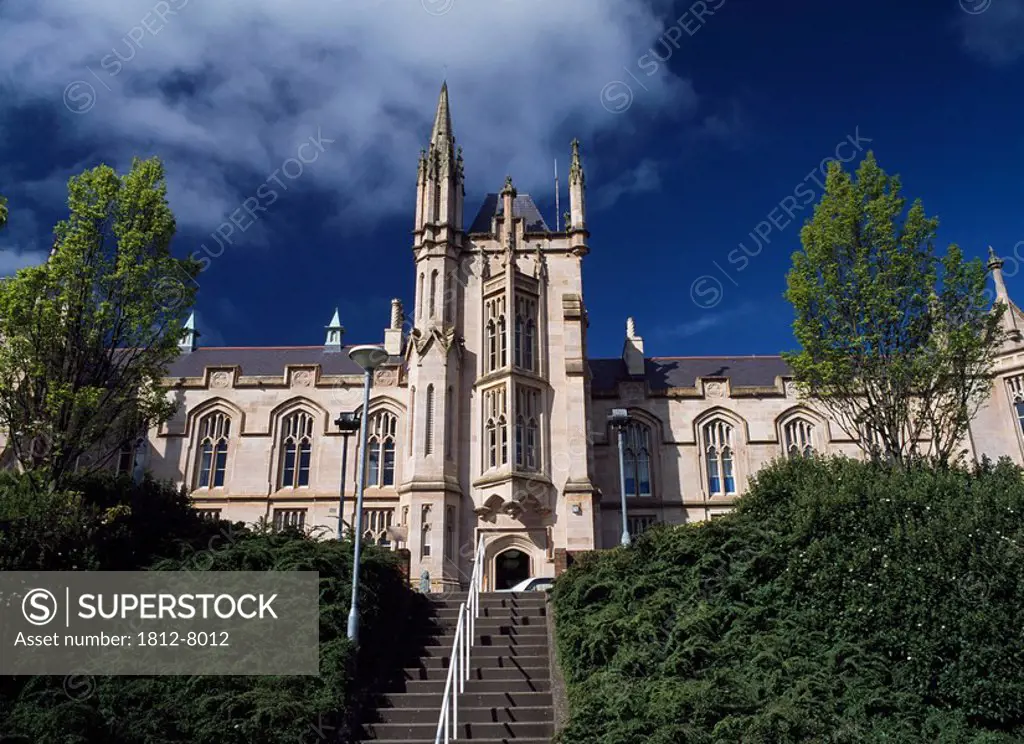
(465, 632)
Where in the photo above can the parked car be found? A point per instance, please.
(536, 584)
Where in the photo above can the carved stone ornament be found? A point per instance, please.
(302, 378)
(714, 389)
(220, 379)
(385, 377)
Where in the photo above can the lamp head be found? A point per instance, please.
(347, 421)
(618, 417)
(369, 356)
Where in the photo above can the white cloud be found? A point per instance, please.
(644, 178)
(995, 34)
(225, 91)
(12, 259)
(705, 322)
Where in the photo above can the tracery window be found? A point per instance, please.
(799, 436)
(718, 456)
(428, 442)
(525, 351)
(296, 449)
(212, 463)
(527, 437)
(495, 427)
(375, 526)
(496, 336)
(637, 459)
(380, 448)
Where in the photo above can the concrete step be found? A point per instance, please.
(474, 686)
(496, 661)
(432, 700)
(523, 611)
(511, 648)
(485, 672)
(468, 714)
(405, 732)
(510, 599)
(491, 621)
(498, 628)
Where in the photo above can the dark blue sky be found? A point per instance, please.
(674, 188)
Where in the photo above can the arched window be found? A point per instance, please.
(502, 342)
(637, 457)
(433, 293)
(518, 341)
(1015, 386)
(376, 523)
(496, 426)
(296, 449)
(380, 448)
(718, 454)
(428, 445)
(214, 431)
(419, 300)
(492, 346)
(527, 429)
(799, 440)
(529, 345)
(449, 422)
(425, 531)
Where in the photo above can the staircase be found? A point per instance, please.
(508, 695)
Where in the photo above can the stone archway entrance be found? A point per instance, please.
(510, 567)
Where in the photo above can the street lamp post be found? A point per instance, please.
(619, 419)
(348, 424)
(369, 358)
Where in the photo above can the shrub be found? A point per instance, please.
(841, 602)
(112, 525)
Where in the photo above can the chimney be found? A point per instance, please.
(633, 350)
(393, 334)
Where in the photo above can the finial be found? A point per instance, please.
(335, 333)
(189, 334)
(630, 328)
(993, 260)
(509, 188)
(396, 313)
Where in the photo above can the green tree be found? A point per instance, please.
(896, 340)
(3, 212)
(89, 334)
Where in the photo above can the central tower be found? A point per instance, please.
(499, 443)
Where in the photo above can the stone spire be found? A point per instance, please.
(508, 200)
(577, 199)
(442, 119)
(335, 333)
(440, 176)
(189, 335)
(995, 265)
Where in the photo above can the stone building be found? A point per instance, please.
(489, 417)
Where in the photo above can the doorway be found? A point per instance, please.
(510, 567)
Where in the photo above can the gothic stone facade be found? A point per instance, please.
(489, 417)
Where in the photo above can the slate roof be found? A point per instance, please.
(265, 360)
(522, 206)
(667, 372)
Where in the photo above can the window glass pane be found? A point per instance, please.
(205, 464)
(644, 474)
(288, 471)
(305, 454)
(730, 482)
(389, 464)
(373, 462)
(714, 482)
(221, 464)
(1019, 407)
